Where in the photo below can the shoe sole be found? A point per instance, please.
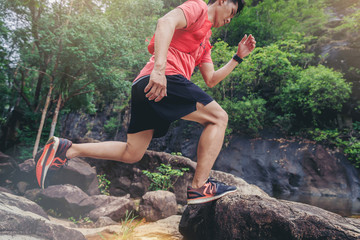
(46, 159)
(208, 199)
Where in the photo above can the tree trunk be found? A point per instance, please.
(44, 111)
(55, 117)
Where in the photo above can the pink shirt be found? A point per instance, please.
(179, 62)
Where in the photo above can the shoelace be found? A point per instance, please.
(214, 181)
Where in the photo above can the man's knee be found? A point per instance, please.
(132, 156)
(222, 117)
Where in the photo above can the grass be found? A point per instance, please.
(128, 224)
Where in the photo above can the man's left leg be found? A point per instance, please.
(214, 119)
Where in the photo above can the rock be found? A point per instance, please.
(32, 194)
(25, 173)
(137, 189)
(101, 200)
(197, 222)
(24, 204)
(2, 189)
(7, 167)
(64, 222)
(113, 207)
(22, 186)
(122, 182)
(254, 217)
(104, 221)
(162, 229)
(284, 167)
(139, 183)
(23, 219)
(27, 166)
(78, 173)
(67, 200)
(157, 205)
(245, 215)
(181, 209)
(154, 159)
(120, 186)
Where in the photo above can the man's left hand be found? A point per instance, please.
(246, 46)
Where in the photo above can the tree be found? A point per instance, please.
(74, 51)
(318, 91)
(4, 87)
(271, 20)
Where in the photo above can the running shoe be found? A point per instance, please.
(211, 191)
(51, 157)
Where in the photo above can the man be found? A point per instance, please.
(163, 93)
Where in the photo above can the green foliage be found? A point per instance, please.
(176, 153)
(127, 224)
(287, 90)
(346, 139)
(220, 53)
(27, 134)
(327, 136)
(246, 115)
(165, 178)
(271, 20)
(352, 151)
(54, 213)
(5, 90)
(351, 22)
(269, 68)
(317, 90)
(90, 51)
(81, 220)
(284, 122)
(171, 4)
(104, 184)
(263, 72)
(111, 125)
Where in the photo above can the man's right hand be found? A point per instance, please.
(156, 89)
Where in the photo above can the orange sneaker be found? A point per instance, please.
(51, 157)
(211, 191)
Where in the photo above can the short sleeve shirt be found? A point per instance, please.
(184, 63)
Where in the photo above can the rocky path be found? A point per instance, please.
(165, 229)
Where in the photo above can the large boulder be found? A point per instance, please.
(253, 217)
(247, 214)
(65, 200)
(285, 167)
(157, 205)
(21, 203)
(23, 219)
(78, 173)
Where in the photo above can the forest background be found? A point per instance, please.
(63, 56)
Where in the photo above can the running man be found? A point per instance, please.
(163, 93)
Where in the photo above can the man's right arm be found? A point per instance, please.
(166, 26)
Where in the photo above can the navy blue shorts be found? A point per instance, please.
(182, 96)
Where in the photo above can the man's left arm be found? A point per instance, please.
(212, 77)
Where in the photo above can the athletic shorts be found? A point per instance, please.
(181, 99)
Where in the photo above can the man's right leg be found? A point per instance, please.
(130, 151)
(57, 152)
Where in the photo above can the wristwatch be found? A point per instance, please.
(237, 58)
